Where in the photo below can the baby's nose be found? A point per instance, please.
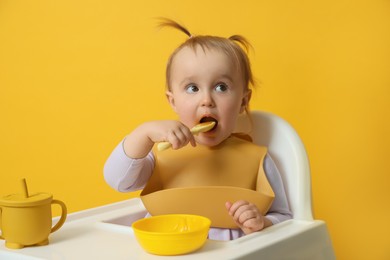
(207, 100)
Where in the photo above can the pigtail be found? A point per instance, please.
(165, 22)
(242, 41)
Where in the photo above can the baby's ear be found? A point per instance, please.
(245, 100)
(171, 99)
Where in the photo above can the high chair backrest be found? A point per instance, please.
(289, 154)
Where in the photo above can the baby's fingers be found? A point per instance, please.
(181, 137)
(236, 207)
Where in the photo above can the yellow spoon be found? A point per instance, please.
(199, 128)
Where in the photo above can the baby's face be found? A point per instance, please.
(205, 86)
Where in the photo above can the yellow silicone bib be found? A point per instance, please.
(200, 180)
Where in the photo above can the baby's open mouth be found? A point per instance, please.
(209, 119)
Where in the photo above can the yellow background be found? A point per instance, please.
(77, 76)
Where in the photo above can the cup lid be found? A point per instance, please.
(19, 200)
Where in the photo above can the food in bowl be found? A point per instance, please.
(172, 234)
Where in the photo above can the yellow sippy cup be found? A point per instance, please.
(26, 219)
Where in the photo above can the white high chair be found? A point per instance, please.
(104, 232)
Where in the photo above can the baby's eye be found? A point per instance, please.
(221, 87)
(192, 88)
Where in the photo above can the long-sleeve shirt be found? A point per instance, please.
(127, 174)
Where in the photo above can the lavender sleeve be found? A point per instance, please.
(280, 209)
(126, 174)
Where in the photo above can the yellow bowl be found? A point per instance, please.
(173, 234)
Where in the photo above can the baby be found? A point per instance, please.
(208, 79)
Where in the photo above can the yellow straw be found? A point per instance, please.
(24, 186)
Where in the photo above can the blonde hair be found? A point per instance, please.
(230, 46)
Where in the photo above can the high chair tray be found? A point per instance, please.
(105, 233)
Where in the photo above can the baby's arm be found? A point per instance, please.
(126, 174)
(280, 209)
(131, 163)
(140, 142)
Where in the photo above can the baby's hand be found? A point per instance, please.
(174, 132)
(247, 216)
(139, 142)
